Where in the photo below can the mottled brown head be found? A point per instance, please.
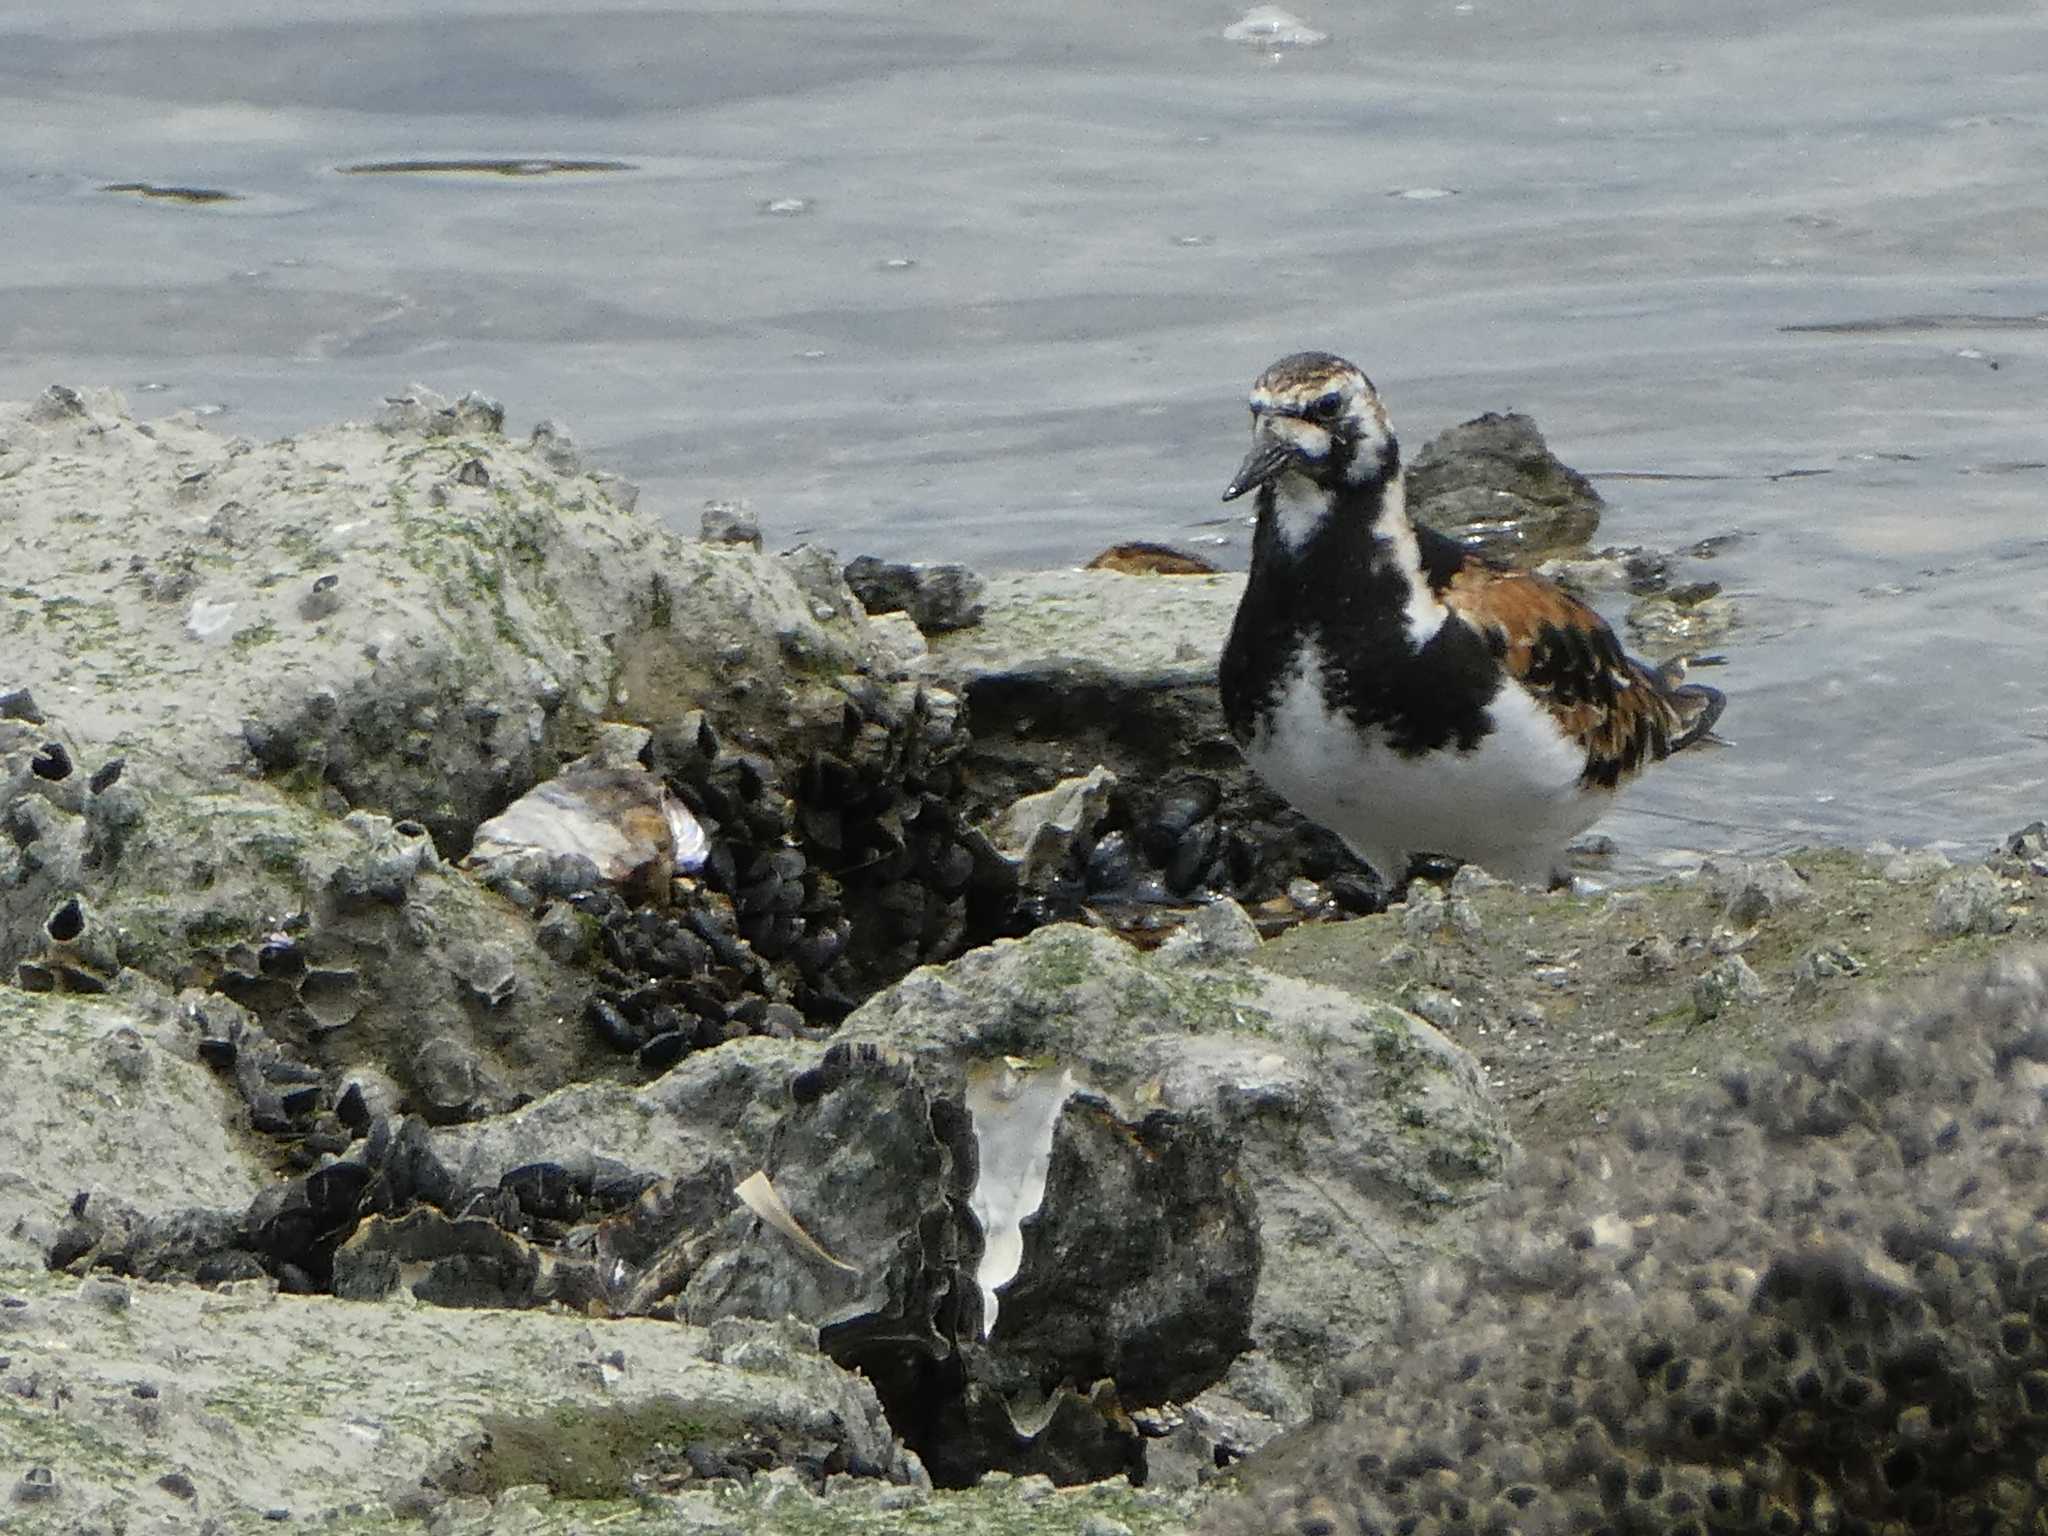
(1317, 416)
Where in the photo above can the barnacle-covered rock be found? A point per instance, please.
(107, 1107)
(500, 604)
(1258, 1155)
(1810, 1303)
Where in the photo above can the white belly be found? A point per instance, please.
(1509, 805)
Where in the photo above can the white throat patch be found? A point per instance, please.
(1299, 507)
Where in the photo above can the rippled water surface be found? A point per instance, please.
(986, 280)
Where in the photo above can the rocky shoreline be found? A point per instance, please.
(520, 1021)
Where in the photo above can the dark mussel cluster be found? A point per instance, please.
(354, 1161)
(1166, 847)
(821, 884)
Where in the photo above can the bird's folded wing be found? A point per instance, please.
(1619, 710)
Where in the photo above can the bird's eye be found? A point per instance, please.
(1328, 408)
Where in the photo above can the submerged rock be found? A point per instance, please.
(1683, 620)
(1493, 483)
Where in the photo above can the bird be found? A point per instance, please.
(1402, 691)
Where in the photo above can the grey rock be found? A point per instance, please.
(1493, 483)
(1139, 1265)
(557, 448)
(1872, 1186)
(1219, 930)
(1969, 901)
(151, 1132)
(876, 1168)
(729, 522)
(1634, 569)
(2024, 852)
(1425, 913)
(432, 414)
(1730, 984)
(1905, 866)
(1358, 1125)
(191, 813)
(939, 598)
(1751, 892)
(1820, 965)
(331, 1406)
(477, 639)
(1651, 956)
(1680, 621)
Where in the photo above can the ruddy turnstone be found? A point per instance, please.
(1408, 695)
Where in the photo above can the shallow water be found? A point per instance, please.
(987, 281)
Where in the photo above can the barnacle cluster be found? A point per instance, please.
(1816, 1303)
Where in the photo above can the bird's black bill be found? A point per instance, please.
(1266, 460)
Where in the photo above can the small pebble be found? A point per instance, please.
(557, 448)
(1651, 956)
(108, 1295)
(1218, 930)
(1752, 892)
(1464, 920)
(178, 1485)
(1470, 880)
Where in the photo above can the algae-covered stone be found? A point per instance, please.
(244, 1401)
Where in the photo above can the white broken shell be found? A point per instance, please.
(623, 820)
